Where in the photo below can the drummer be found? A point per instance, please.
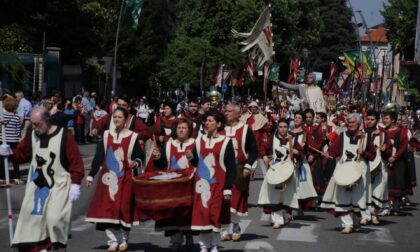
(245, 147)
(379, 192)
(349, 146)
(279, 201)
(307, 193)
(177, 155)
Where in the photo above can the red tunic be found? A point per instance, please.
(164, 127)
(113, 201)
(209, 183)
(239, 200)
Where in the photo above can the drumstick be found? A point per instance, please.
(319, 152)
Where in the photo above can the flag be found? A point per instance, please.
(250, 67)
(352, 58)
(259, 41)
(220, 75)
(132, 12)
(332, 82)
(274, 72)
(402, 81)
(293, 70)
(240, 76)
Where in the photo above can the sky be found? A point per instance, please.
(370, 10)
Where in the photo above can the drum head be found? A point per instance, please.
(348, 173)
(280, 172)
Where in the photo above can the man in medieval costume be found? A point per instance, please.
(54, 179)
(245, 148)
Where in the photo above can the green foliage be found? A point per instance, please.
(400, 18)
(13, 39)
(338, 33)
(13, 70)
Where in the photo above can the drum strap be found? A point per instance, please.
(291, 148)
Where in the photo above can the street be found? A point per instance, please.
(315, 231)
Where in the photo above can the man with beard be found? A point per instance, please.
(54, 179)
(245, 154)
(194, 116)
(379, 190)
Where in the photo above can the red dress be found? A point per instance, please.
(113, 201)
(210, 180)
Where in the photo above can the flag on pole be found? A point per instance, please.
(259, 41)
(250, 67)
(132, 12)
(402, 81)
(293, 70)
(274, 72)
(352, 58)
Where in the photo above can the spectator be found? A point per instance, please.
(23, 110)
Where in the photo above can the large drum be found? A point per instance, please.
(280, 174)
(159, 194)
(347, 174)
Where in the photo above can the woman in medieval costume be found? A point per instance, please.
(279, 201)
(112, 206)
(177, 155)
(213, 180)
(307, 193)
(345, 201)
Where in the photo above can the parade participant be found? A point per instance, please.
(307, 193)
(309, 92)
(379, 192)
(194, 116)
(112, 206)
(164, 126)
(53, 183)
(397, 164)
(213, 180)
(258, 123)
(315, 142)
(279, 202)
(205, 105)
(350, 146)
(177, 155)
(411, 178)
(132, 123)
(245, 155)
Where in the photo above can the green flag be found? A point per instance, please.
(402, 81)
(132, 12)
(352, 58)
(274, 71)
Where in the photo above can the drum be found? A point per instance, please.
(159, 193)
(280, 174)
(347, 174)
(375, 165)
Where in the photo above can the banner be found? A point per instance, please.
(132, 12)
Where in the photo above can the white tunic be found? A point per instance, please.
(46, 208)
(380, 181)
(341, 198)
(269, 195)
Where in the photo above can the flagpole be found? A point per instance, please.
(114, 69)
(6, 171)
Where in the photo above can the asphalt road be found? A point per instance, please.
(315, 231)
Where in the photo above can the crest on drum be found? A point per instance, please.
(349, 156)
(281, 155)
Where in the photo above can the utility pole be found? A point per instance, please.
(114, 67)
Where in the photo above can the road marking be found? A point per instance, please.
(265, 217)
(243, 224)
(303, 232)
(258, 246)
(377, 234)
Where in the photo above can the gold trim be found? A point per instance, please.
(163, 200)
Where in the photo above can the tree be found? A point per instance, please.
(400, 18)
(338, 33)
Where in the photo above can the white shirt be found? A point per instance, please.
(24, 108)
